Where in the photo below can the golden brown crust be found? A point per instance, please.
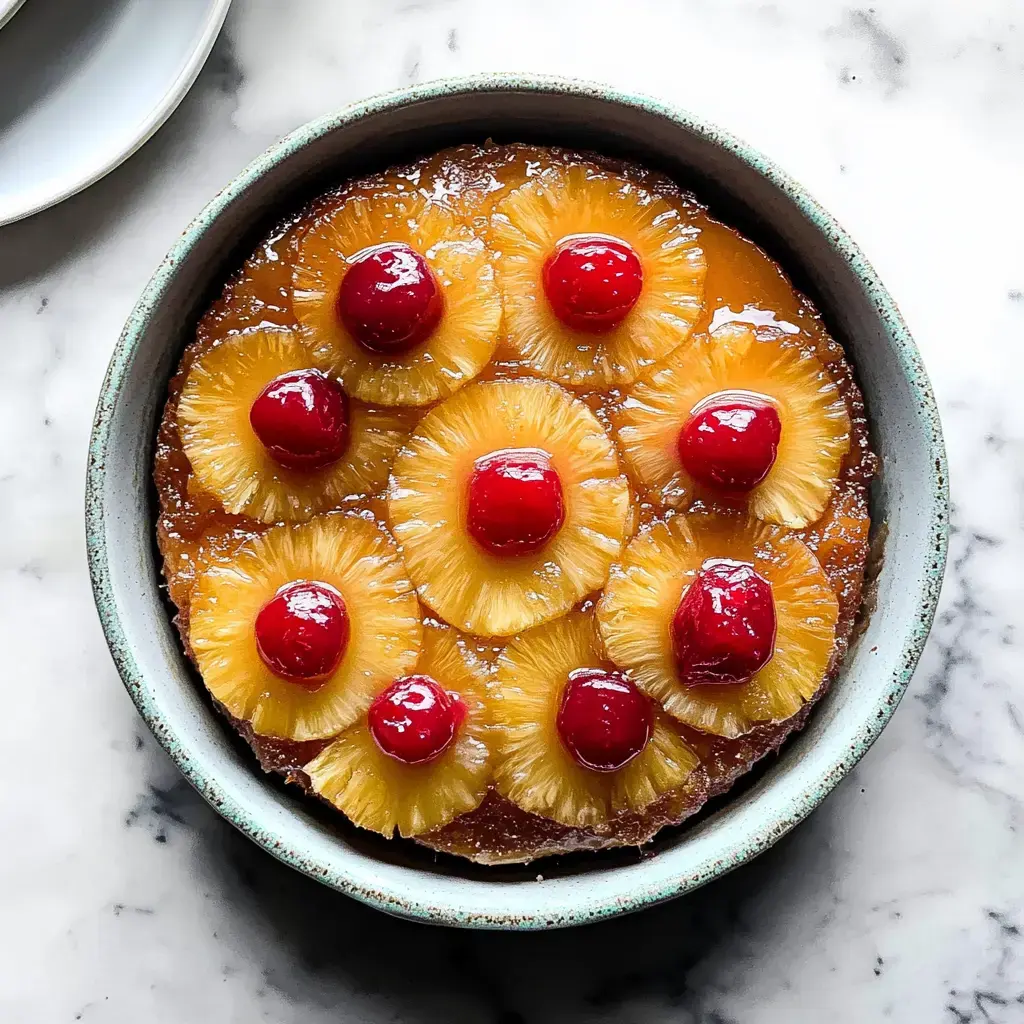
(499, 832)
(743, 282)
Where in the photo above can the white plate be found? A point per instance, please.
(7, 8)
(84, 83)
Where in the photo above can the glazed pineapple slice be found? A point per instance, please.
(549, 743)
(384, 793)
(509, 506)
(600, 277)
(397, 295)
(230, 461)
(639, 618)
(724, 382)
(298, 630)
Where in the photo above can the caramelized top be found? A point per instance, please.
(743, 285)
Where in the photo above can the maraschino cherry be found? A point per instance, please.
(515, 502)
(415, 719)
(731, 440)
(389, 299)
(302, 632)
(723, 631)
(604, 721)
(301, 418)
(593, 281)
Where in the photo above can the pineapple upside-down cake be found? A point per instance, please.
(513, 504)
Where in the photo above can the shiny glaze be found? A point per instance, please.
(743, 285)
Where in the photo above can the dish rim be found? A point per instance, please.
(600, 901)
(169, 102)
(9, 10)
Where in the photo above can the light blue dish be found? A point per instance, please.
(911, 497)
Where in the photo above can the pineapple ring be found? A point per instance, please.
(359, 560)
(465, 338)
(228, 458)
(382, 794)
(815, 422)
(534, 770)
(483, 593)
(635, 616)
(526, 228)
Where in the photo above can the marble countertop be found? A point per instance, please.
(902, 898)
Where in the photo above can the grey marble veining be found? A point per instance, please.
(125, 898)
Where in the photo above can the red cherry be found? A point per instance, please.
(389, 299)
(301, 418)
(515, 501)
(724, 627)
(302, 632)
(731, 440)
(415, 719)
(604, 720)
(593, 281)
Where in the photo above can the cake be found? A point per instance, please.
(512, 504)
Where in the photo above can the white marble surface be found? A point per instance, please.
(124, 897)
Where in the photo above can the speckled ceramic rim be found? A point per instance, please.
(603, 893)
